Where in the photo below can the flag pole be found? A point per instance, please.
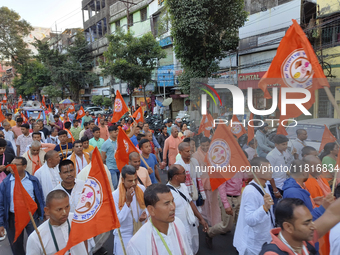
(144, 161)
(331, 98)
(121, 241)
(334, 183)
(36, 229)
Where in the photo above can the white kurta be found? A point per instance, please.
(125, 219)
(9, 136)
(61, 233)
(49, 178)
(181, 213)
(80, 163)
(253, 223)
(75, 193)
(334, 239)
(140, 243)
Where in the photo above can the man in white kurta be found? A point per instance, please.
(9, 134)
(79, 158)
(131, 210)
(48, 174)
(148, 239)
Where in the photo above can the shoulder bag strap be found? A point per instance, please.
(182, 195)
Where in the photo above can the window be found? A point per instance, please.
(331, 33)
(143, 14)
(130, 20)
(117, 24)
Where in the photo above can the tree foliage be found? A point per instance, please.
(97, 100)
(53, 92)
(203, 31)
(12, 30)
(132, 59)
(107, 102)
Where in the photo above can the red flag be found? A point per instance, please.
(296, 66)
(19, 101)
(281, 130)
(207, 123)
(2, 117)
(237, 129)
(138, 115)
(124, 148)
(4, 99)
(70, 109)
(23, 117)
(120, 108)
(81, 113)
(23, 203)
(251, 129)
(224, 153)
(95, 213)
(327, 137)
(43, 101)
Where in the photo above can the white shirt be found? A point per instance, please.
(125, 219)
(298, 145)
(280, 163)
(253, 223)
(61, 233)
(9, 136)
(181, 212)
(80, 163)
(140, 243)
(334, 239)
(75, 193)
(49, 178)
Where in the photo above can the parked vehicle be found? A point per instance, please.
(95, 110)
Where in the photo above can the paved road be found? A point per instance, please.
(222, 244)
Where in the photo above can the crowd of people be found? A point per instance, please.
(272, 212)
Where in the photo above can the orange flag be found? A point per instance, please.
(207, 123)
(124, 148)
(95, 213)
(138, 115)
(4, 99)
(120, 108)
(296, 66)
(327, 137)
(81, 113)
(39, 116)
(2, 117)
(225, 154)
(237, 129)
(70, 109)
(22, 116)
(49, 109)
(43, 101)
(19, 101)
(251, 129)
(23, 203)
(281, 130)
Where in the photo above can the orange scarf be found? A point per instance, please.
(138, 193)
(37, 164)
(72, 138)
(73, 159)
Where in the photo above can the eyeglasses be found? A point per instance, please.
(183, 173)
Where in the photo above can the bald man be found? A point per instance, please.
(171, 146)
(35, 157)
(142, 172)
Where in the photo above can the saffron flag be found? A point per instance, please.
(2, 117)
(327, 137)
(39, 116)
(80, 113)
(49, 109)
(23, 204)
(120, 108)
(23, 117)
(251, 129)
(124, 148)
(20, 101)
(43, 101)
(207, 123)
(295, 66)
(225, 154)
(281, 130)
(236, 127)
(70, 109)
(4, 99)
(95, 212)
(138, 115)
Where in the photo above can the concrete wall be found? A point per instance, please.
(328, 6)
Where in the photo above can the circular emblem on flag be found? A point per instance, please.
(118, 105)
(219, 153)
(89, 202)
(126, 146)
(138, 116)
(81, 112)
(297, 71)
(236, 129)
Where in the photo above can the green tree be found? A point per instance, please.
(132, 59)
(203, 31)
(12, 30)
(97, 100)
(107, 102)
(53, 92)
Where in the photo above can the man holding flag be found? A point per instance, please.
(12, 217)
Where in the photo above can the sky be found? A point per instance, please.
(48, 13)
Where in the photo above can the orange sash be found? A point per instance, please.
(72, 138)
(138, 193)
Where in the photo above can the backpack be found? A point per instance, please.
(273, 248)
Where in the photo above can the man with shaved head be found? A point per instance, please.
(299, 142)
(171, 146)
(48, 174)
(142, 173)
(35, 157)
